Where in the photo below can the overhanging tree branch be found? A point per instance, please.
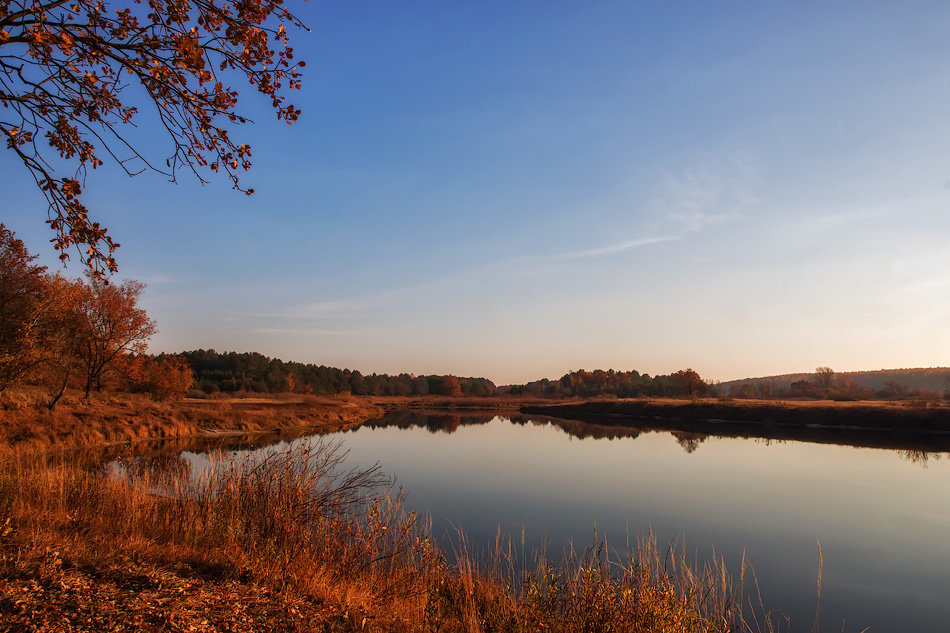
(66, 67)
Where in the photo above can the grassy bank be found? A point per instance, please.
(298, 541)
(899, 425)
(27, 424)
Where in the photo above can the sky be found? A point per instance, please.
(517, 189)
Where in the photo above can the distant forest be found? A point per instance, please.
(232, 372)
(920, 383)
(252, 372)
(622, 384)
(249, 371)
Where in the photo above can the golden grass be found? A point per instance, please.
(26, 422)
(334, 541)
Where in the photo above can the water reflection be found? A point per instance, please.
(922, 448)
(689, 441)
(450, 421)
(880, 517)
(159, 469)
(920, 457)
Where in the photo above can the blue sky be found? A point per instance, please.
(518, 189)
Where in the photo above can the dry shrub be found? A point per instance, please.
(316, 523)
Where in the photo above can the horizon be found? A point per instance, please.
(508, 191)
(558, 376)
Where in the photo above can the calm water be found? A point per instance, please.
(882, 517)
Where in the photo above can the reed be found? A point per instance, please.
(301, 522)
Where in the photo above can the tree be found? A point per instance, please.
(109, 324)
(23, 298)
(164, 377)
(688, 382)
(66, 69)
(59, 331)
(37, 325)
(824, 377)
(447, 385)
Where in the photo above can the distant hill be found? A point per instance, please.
(926, 378)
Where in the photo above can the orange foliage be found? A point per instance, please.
(688, 382)
(110, 324)
(164, 377)
(67, 86)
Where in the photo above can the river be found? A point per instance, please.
(880, 517)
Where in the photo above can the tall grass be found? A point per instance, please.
(301, 521)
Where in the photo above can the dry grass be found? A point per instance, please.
(301, 529)
(26, 422)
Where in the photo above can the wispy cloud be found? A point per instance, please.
(611, 249)
(330, 309)
(520, 266)
(702, 195)
(297, 331)
(712, 190)
(830, 220)
(347, 308)
(154, 279)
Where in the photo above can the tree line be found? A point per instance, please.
(232, 372)
(826, 384)
(622, 384)
(249, 371)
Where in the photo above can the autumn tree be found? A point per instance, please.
(824, 377)
(447, 385)
(451, 386)
(37, 324)
(109, 325)
(59, 332)
(22, 301)
(74, 75)
(164, 376)
(688, 382)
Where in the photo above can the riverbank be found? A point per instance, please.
(900, 425)
(288, 544)
(27, 424)
(116, 419)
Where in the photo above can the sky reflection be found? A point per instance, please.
(880, 517)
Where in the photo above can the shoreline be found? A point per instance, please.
(279, 547)
(898, 426)
(109, 420)
(120, 419)
(91, 542)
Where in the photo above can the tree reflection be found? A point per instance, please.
(159, 472)
(449, 422)
(433, 422)
(689, 441)
(919, 456)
